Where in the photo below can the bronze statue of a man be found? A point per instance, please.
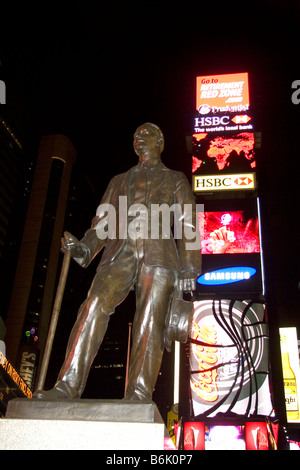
(144, 255)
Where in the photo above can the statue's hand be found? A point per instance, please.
(187, 283)
(70, 243)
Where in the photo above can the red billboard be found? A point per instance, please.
(230, 248)
(229, 232)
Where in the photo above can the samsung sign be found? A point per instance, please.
(226, 276)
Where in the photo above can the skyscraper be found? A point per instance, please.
(34, 284)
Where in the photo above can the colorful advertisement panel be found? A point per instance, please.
(223, 129)
(229, 359)
(291, 372)
(232, 231)
(222, 93)
(215, 154)
(230, 247)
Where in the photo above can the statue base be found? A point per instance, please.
(82, 424)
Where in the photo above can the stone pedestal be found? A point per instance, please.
(81, 425)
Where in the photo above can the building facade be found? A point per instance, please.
(35, 278)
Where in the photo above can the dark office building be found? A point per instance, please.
(35, 277)
(15, 182)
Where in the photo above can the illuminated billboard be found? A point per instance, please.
(222, 93)
(216, 154)
(223, 130)
(228, 359)
(291, 372)
(231, 231)
(230, 247)
(223, 123)
(235, 182)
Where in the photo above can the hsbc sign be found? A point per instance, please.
(212, 121)
(224, 182)
(224, 123)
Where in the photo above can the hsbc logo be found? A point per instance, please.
(233, 182)
(241, 119)
(221, 120)
(212, 121)
(243, 181)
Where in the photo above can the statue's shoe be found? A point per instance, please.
(60, 392)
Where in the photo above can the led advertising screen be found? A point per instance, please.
(222, 104)
(223, 138)
(216, 154)
(228, 359)
(230, 247)
(232, 231)
(223, 93)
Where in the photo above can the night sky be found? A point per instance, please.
(94, 73)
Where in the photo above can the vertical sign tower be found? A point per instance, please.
(228, 349)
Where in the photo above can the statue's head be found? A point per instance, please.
(148, 141)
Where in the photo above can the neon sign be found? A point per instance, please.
(226, 276)
(229, 232)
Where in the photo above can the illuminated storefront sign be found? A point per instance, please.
(291, 372)
(226, 276)
(234, 182)
(223, 93)
(229, 359)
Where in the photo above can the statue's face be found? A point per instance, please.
(148, 141)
